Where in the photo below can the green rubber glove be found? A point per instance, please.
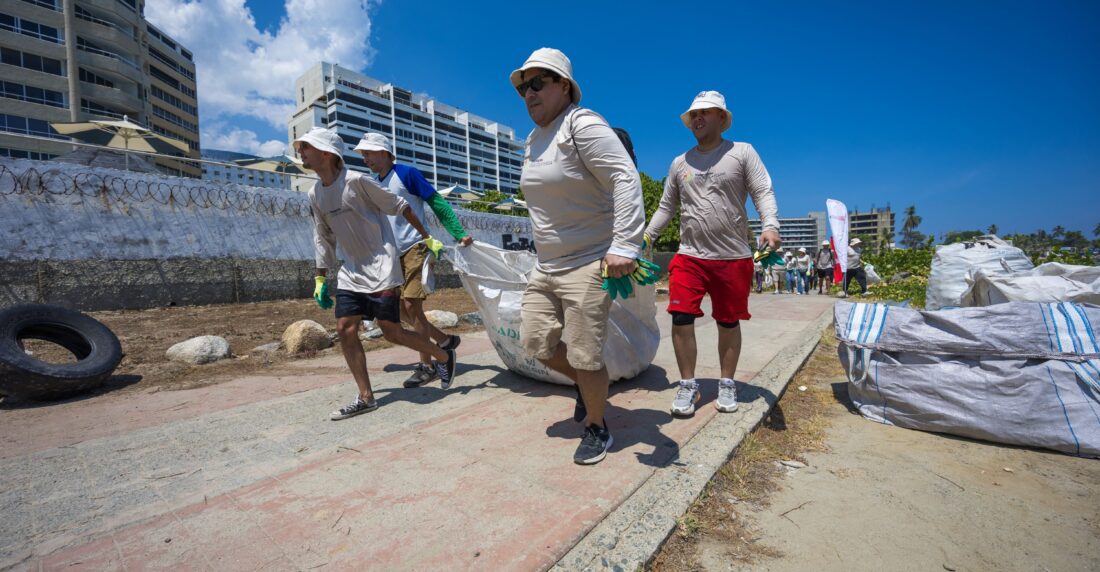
(434, 246)
(645, 272)
(767, 258)
(617, 286)
(321, 294)
(645, 243)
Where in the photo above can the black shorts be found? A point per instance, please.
(385, 305)
(823, 274)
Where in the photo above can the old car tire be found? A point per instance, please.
(21, 375)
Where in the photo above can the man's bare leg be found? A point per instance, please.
(683, 344)
(347, 328)
(395, 334)
(593, 385)
(729, 350)
(412, 312)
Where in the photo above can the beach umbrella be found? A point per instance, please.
(121, 134)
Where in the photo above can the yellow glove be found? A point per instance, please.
(320, 293)
(434, 246)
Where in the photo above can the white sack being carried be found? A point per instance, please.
(952, 262)
(496, 280)
(1050, 282)
(872, 276)
(1021, 373)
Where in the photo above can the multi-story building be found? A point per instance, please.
(807, 232)
(79, 60)
(878, 223)
(218, 165)
(449, 145)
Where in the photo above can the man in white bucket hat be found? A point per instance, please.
(349, 213)
(824, 262)
(584, 196)
(409, 183)
(855, 268)
(709, 184)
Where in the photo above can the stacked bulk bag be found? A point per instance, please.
(952, 263)
(496, 279)
(1050, 282)
(1021, 373)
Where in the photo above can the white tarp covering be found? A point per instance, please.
(1050, 282)
(953, 262)
(496, 279)
(1022, 373)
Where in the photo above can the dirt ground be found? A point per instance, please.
(147, 334)
(876, 497)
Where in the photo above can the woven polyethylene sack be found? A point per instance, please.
(1022, 373)
(496, 279)
(953, 262)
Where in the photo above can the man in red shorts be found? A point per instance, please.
(710, 184)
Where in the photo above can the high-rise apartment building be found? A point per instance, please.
(449, 145)
(219, 166)
(79, 60)
(878, 223)
(805, 232)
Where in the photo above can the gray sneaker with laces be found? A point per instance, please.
(727, 396)
(422, 374)
(686, 398)
(354, 408)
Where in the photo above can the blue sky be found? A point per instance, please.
(976, 113)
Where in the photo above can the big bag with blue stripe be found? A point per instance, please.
(1022, 373)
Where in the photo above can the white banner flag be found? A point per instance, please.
(838, 225)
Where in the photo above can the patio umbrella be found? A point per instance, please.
(121, 134)
(281, 164)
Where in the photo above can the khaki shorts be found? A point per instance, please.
(569, 305)
(412, 264)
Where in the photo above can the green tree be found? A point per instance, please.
(1058, 231)
(992, 229)
(1096, 231)
(953, 236)
(910, 236)
(488, 201)
(669, 239)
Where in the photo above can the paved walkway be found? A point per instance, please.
(250, 474)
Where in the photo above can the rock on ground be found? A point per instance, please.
(200, 350)
(442, 318)
(305, 336)
(267, 348)
(473, 318)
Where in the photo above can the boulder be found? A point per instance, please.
(900, 276)
(442, 318)
(305, 336)
(200, 350)
(271, 348)
(473, 318)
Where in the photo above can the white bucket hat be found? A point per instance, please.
(551, 60)
(322, 139)
(707, 100)
(802, 249)
(824, 243)
(855, 241)
(375, 142)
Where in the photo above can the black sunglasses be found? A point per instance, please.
(536, 83)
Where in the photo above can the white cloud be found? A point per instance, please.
(245, 71)
(222, 136)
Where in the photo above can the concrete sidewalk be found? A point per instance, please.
(250, 474)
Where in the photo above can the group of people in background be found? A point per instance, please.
(800, 273)
(584, 196)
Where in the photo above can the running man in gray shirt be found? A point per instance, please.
(710, 184)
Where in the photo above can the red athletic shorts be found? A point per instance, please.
(727, 282)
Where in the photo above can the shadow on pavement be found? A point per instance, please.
(114, 383)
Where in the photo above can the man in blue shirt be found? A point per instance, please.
(408, 183)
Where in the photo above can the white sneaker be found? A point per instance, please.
(727, 396)
(686, 398)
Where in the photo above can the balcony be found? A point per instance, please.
(106, 61)
(113, 97)
(103, 32)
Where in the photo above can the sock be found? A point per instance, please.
(726, 380)
(688, 381)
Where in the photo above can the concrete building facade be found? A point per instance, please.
(807, 232)
(879, 223)
(218, 166)
(81, 60)
(449, 145)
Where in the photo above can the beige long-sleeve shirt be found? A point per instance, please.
(583, 192)
(349, 220)
(711, 189)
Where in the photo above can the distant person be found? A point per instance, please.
(855, 268)
(792, 271)
(779, 272)
(709, 185)
(409, 184)
(824, 262)
(802, 267)
(758, 275)
(584, 196)
(349, 217)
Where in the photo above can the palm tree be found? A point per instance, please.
(1096, 231)
(992, 229)
(1058, 231)
(909, 227)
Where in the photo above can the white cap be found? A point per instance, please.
(552, 60)
(375, 142)
(802, 249)
(855, 241)
(707, 100)
(322, 139)
(824, 243)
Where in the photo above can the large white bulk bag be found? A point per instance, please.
(1050, 282)
(952, 263)
(496, 279)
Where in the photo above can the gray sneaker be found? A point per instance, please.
(727, 396)
(686, 398)
(357, 407)
(422, 374)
